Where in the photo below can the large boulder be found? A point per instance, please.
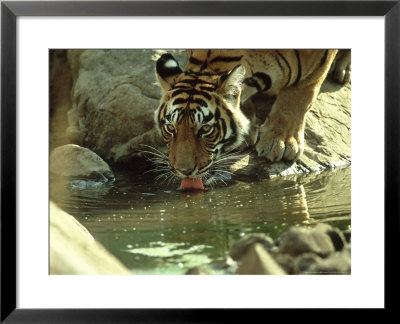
(115, 93)
(75, 162)
(114, 97)
(73, 250)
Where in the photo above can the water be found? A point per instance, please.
(155, 229)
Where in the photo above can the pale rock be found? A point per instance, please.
(257, 260)
(240, 247)
(76, 162)
(73, 250)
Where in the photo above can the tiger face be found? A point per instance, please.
(199, 116)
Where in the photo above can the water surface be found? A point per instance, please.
(155, 229)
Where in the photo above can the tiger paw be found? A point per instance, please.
(279, 145)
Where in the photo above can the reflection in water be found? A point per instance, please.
(157, 229)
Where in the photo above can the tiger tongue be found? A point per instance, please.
(191, 184)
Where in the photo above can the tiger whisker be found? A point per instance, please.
(223, 182)
(156, 150)
(230, 157)
(171, 178)
(157, 170)
(224, 171)
(154, 154)
(164, 177)
(159, 162)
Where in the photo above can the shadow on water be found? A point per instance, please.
(153, 228)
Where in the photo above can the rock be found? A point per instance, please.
(60, 97)
(347, 235)
(115, 94)
(338, 238)
(304, 261)
(197, 271)
(113, 101)
(338, 263)
(300, 240)
(76, 162)
(300, 250)
(74, 251)
(240, 247)
(286, 261)
(257, 260)
(226, 265)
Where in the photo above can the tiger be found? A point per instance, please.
(200, 116)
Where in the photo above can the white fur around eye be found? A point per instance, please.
(170, 64)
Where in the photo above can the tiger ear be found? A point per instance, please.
(230, 85)
(167, 69)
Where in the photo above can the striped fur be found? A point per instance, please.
(199, 114)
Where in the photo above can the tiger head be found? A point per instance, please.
(199, 116)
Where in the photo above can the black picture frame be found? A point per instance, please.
(10, 10)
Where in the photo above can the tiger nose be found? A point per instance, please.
(185, 172)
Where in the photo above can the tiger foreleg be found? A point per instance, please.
(281, 136)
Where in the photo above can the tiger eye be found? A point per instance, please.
(170, 128)
(205, 128)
